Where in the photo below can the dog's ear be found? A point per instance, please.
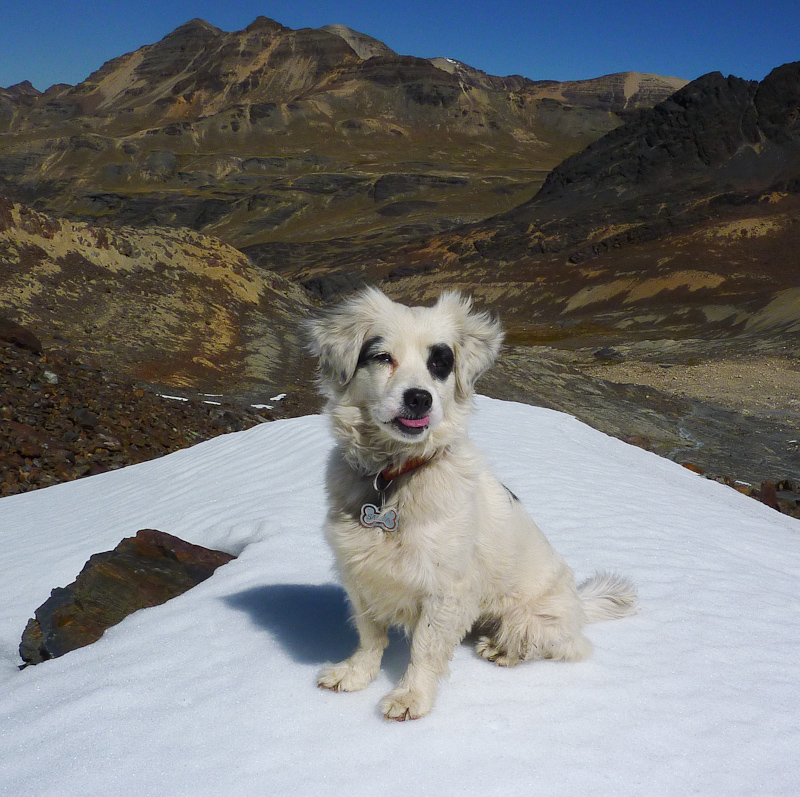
(336, 335)
(479, 338)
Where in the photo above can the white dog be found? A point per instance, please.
(425, 536)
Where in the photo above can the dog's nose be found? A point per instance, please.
(418, 401)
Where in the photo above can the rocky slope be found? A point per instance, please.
(671, 240)
(167, 306)
(124, 316)
(273, 134)
(64, 416)
(681, 222)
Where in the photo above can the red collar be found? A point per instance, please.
(410, 464)
(388, 475)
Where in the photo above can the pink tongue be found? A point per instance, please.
(415, 422)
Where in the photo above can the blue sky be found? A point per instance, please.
(63, 42)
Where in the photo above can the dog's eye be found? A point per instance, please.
(383, 357)
(370, 352)
(440, 361)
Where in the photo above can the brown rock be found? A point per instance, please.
(639, 441)
(86, 418)
(11, 332)
(30, 449)
(768, 495)
(142, 571)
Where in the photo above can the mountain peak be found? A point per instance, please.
(265, 24)
(286, 120)
(364, 46)
(25, 88)
(195, 27)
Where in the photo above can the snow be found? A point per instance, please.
(214, 692)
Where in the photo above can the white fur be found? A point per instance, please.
(466, 554)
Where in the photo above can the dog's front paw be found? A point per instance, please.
(406, 704)
(344, 677)
(490, 651)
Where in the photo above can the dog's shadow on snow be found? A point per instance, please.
(312, 623)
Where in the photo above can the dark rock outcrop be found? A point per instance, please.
(142, 571)
(728, 133)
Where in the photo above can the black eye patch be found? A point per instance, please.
(440, 361)
(371, 350)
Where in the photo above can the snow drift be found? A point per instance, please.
(214, 692)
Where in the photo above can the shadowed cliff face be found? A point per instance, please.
(272, 134)
(716, 134)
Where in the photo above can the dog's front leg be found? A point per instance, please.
(361, 668)
(441, 626)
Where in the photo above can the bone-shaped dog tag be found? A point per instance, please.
(372, 516)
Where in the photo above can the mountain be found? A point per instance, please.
(273, 134)
(716, 134)
(630, 216)
(680, 222)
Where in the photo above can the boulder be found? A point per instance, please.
(12, 332)
(608, 354)
(142, 571)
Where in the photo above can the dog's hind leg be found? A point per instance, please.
(549, 627)
(361, 668)
(441, 626)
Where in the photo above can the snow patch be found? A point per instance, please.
(214, 692)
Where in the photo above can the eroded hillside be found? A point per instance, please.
(273, 134)
(163, 305)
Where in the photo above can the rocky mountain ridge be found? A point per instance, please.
(682, 222)
(273, 134)
(722, 134)
(672, 237)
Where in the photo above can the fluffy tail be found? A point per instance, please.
(606, 596)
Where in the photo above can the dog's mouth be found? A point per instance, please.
(411, 426)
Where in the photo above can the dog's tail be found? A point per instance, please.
(606, 596)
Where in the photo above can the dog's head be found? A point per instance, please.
(406, 373)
